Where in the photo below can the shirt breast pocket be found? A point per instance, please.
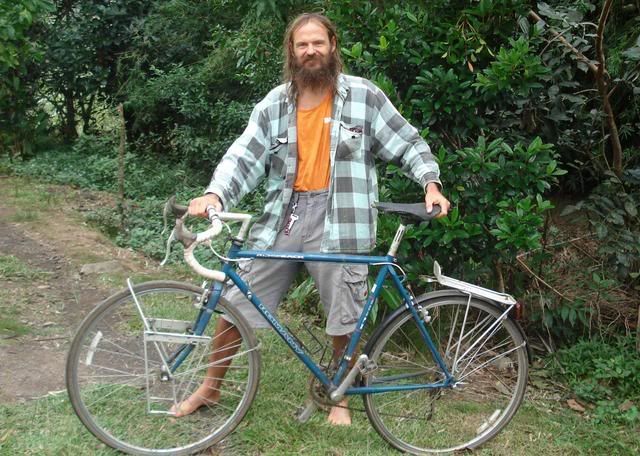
(277, 158)
(351, 142)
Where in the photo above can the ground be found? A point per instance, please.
(46, 288)
(46, 257)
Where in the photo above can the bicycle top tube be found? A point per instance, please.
(236, 252)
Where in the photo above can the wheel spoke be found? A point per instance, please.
(123, 393)
(475, 340)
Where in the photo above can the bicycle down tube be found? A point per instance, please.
(387, 270)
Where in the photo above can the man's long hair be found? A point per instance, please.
(291, 69)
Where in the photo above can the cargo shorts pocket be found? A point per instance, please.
(356, 287)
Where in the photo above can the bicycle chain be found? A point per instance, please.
(318, 395)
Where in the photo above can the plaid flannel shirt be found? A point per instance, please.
(365, 126)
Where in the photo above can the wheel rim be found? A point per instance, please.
(108, 380)
(492, 376)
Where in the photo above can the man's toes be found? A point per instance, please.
(339, 416)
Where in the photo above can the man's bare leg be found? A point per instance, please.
(340, 415)
(226, 342)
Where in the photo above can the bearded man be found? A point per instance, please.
(314, 139)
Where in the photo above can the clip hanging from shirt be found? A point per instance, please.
(293, 217)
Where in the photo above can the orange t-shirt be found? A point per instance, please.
(314, 140)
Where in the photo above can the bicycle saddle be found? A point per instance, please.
(415, 212)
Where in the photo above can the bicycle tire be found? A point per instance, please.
(492, 376)
(110, 388)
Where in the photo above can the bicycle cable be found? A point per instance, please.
(222, 257)
(402, 273)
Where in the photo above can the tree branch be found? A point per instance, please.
(602, 83)
(601, 77)
(593, 68)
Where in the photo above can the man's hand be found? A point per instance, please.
(434, 197)
(198, 206)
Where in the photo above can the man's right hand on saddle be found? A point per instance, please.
(198, 206)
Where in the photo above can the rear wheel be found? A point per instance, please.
(121, 391)
(485, 352)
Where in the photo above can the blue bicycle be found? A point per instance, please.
(445, 372)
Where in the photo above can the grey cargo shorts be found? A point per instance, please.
(342, 287)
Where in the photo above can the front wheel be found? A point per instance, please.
(119, 383)
(486, 354)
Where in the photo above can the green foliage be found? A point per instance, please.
(19, 53)
(515, 71)
(82, 42)
(92, 163)
(442, 97)
(190, 101)
(571, 110)
(424, 56)
(569, 320)
(16, 19)
(304, 298)
(497, 196)
(605, 375)
(612, 209)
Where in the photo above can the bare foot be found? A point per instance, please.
(202, 397)
(339, 415)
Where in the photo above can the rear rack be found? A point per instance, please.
(469, 288)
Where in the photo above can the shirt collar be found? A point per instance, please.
(343, 88)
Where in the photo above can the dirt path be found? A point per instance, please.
(45, 289)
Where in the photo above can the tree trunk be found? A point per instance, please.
(602, 81)
(86, 109)
(500, 276)
(69, 132)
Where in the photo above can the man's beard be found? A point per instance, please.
(321, 77)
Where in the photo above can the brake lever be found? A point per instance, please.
(170, 240)
(183, 235)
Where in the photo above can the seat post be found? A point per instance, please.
(393, 250)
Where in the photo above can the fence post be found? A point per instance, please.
(123, 138)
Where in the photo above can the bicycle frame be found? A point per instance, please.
(388, 264)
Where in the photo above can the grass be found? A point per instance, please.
(33, 201)
(10, 327)
(48, 426)
(13, 268)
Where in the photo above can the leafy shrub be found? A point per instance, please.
(497, 200)
(604, 375)
(612, 209)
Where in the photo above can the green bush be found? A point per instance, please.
(605, 375)
(497, 195)
(612, 209)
